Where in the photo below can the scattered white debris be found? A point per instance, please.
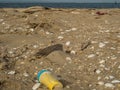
(11, 72)
(115, 81)
(94, 42)
(10, 52)
(67, 86)
(35, 46)
(1, 20)
(98, 71)
(106, 77)
(118, 36)
(91, 55)
(60, 37)
(69, 59)
(67, 30)
(101, 45)
(99, 78)
(36, 86)
(36, 15)
(73, 52)
(111, 77)
(100, 83)
(3, 23)
(109, 85)
(67, 43)
(47, 33)
(112, 48)
(102, 65)
(102, 61)
(74, 29)
(31, 29)
(25, 74)
(75, 12)
(119, 66)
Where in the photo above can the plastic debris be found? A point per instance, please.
(36, 86)
(46, 78)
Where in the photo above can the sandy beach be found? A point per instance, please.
(80, 46)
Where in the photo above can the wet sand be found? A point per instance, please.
(80, 46)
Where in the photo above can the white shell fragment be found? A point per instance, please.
(11, 72)
(101, 45)
(109, 85)
(67, 43)
(36, 86)
(91, 55)
(115, 81)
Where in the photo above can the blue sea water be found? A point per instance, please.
(61, 5)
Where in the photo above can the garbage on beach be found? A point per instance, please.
(46, 78)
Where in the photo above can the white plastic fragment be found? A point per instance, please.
(115, 81)
(36, 86)
(109, 85)
(101, 45)
(11, 72)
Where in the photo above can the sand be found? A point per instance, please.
(80, 46)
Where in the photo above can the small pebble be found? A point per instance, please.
(109, 85)
(11, 72)
(101, 45)
(36, 86)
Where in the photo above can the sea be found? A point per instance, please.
(61, 5)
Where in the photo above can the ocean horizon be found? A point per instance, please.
(61, 5)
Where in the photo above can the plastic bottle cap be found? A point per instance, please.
(41, 72)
